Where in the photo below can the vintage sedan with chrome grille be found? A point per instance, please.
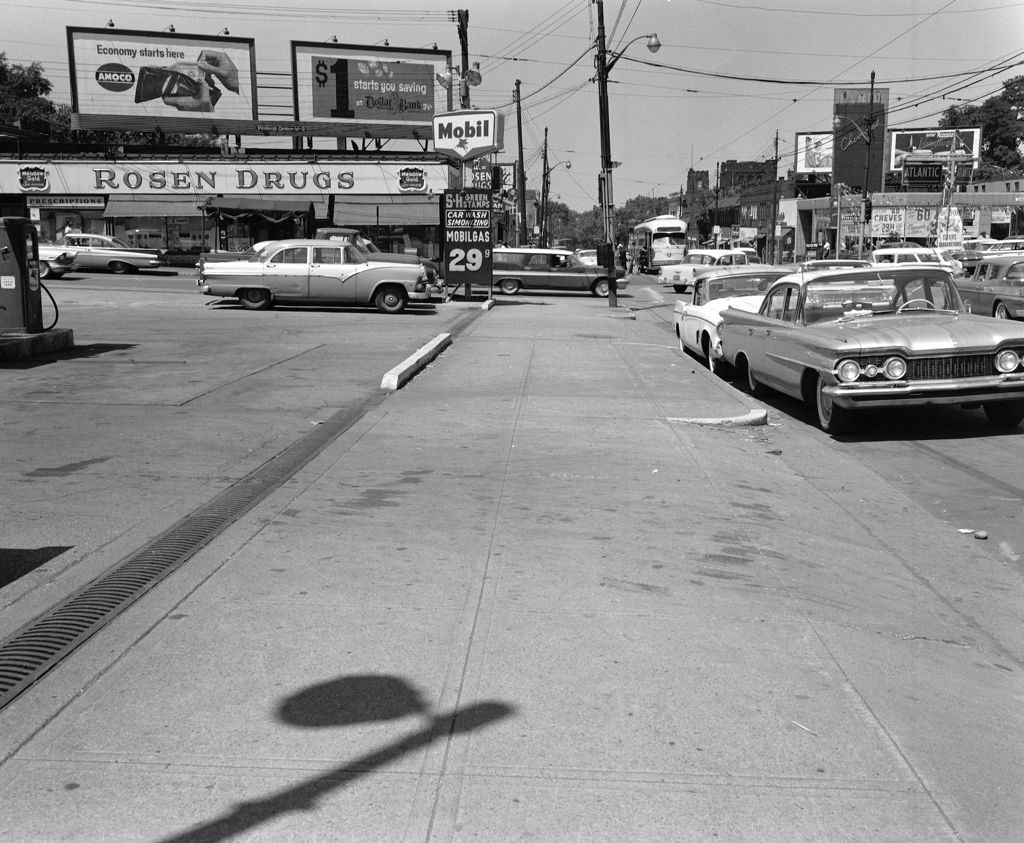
(699, 313)
(317, 272)
(845, 340)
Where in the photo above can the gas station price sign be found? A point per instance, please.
(467, 237)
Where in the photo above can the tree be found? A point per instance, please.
(1001, 119)
(24, 93)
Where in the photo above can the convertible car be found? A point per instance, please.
(699, 313)
(844, 340)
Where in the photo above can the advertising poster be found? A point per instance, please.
(933, 143)
(814, 152)
(140, 80)
(467, 237)
(888, 223)
(388, 92)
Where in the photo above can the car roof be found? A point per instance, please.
(745, 271)
(532, 250)
(864, 273)
(1006, 257)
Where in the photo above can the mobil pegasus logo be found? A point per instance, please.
(115, 77)
(466, 134)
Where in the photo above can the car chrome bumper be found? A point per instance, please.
(961, 391)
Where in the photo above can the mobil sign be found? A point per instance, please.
(467, 134)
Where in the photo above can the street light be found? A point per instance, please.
(605, 61)
(545, 228)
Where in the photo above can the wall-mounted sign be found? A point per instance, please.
(467, 134)
(205, 178)
(369, 91)
(145, 80)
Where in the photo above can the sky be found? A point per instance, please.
(730, 76)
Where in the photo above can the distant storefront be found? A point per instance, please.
(192, 206)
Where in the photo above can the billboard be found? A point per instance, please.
(858, 137)
(933, 143)
(378, 92)
(173, 82)
(813, 152)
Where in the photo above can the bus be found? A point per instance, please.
(656, 242)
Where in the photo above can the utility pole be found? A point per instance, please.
(520, 172)
(604, 184)
(464, 45)
(775, 202)
(544, 188)
(869, 134)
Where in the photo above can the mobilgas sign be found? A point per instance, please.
(467, 134)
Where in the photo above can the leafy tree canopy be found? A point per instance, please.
(1001, 119)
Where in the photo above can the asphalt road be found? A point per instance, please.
(167, 398)
(950, 461)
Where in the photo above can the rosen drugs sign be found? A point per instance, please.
(468, 134)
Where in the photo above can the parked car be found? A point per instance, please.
(698, 316)
(918, 254)
(997, 286)
(54, 261)
(97, 251)
(354, 237)
(844, 340)
(319, 272)
(526, 268)
(679, 276)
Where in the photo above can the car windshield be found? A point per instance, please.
(739, 286)
(825, 301)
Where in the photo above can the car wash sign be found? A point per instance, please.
(468, 134)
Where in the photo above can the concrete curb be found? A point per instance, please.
(750, 419)
(401, 374)
(22, 345)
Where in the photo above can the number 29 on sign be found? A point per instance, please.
(465, 260)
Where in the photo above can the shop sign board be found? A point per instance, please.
(144, 80)
(203, 178)
(369, 90)
(468, 134)
(466, 216)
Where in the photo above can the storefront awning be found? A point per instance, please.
(361, 211)
(261, 205)
(171, 206)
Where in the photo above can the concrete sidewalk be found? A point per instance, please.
(553, 589)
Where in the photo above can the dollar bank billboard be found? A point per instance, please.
(370, 92)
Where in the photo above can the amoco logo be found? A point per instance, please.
(115, 77)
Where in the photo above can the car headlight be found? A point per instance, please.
(895, 368)
(848, 371)
(1007, 361)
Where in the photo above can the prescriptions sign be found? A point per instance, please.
(386, 91)
(142, 80)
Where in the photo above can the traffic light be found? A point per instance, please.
(867, 210)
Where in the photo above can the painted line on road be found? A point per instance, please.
(401, 374)
(750, 419)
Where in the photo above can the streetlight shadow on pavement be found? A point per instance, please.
(346, 701)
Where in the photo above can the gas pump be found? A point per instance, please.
(21, 304)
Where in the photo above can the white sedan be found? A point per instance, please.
(698, 315)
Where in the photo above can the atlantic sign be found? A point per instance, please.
(467, 134)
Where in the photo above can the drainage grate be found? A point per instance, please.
(35, 648)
